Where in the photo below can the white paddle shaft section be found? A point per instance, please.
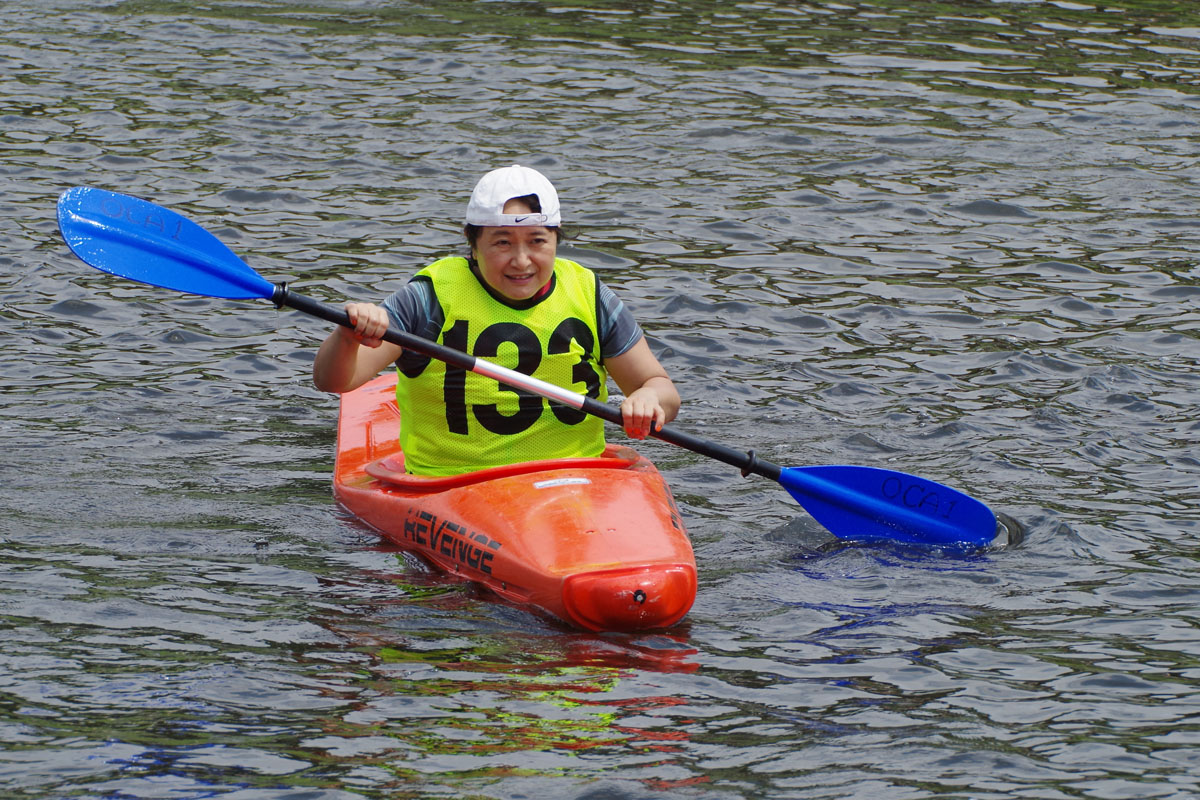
(519, 380)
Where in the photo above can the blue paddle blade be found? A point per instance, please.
(134, 239)
(873, 504)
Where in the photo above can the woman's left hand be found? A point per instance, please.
(650, 398)
(642, 413)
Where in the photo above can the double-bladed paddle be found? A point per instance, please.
(135, 239)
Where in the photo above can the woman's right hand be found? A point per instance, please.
(370, 323)
(341, 365)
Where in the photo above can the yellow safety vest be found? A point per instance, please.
(453, 421)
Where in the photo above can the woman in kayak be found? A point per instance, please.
(515, 302)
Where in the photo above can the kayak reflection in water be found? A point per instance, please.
(514, 301)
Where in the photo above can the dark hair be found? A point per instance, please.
(531, 200)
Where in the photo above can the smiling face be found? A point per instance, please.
(516, 260)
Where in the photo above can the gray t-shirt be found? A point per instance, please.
(415, 309)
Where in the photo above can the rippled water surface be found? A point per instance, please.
(955, 239)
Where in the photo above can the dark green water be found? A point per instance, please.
(955, 239)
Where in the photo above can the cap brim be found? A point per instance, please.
(531, 219)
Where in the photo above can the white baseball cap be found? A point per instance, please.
(501, 185)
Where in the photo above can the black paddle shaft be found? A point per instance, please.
(747, 462)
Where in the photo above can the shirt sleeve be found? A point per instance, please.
(619, 331)
(413, 309)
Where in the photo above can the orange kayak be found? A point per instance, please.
(596, 542)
